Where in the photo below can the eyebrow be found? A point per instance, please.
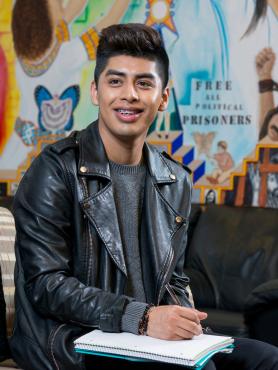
(123, 74)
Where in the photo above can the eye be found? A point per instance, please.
(114, 82)
(145, 84)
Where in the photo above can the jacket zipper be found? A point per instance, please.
(164, 276)
(166, 269)
(172, 294)
(86, 194)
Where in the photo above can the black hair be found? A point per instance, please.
(259, 12)
(268, 117)
(133, 39)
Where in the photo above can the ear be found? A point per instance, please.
(94, 94)
(164, 99)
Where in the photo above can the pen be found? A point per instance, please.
(170, 290)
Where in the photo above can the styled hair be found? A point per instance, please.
(268, 117)
(31, 28)
(223, 144)
(133, 39)
(259, 12)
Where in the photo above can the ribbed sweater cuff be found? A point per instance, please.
(131, 317)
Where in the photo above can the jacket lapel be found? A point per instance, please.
(99, 206)
(101, 211)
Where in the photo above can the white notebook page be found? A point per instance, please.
(137, 345)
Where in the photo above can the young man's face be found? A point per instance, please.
(129, 95)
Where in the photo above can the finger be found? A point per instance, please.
(192, 327)
(185, 334)
(176, 337)
(264, 58)
(186, 324)
(267, 49)
(189, 314)
(260, 60)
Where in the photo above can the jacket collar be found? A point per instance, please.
(93, 159)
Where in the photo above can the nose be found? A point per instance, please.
(130, 93)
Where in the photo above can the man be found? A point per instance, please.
(101, 222)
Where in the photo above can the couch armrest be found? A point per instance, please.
(263, 295)
(261, 312)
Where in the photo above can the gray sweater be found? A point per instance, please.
(128, 186)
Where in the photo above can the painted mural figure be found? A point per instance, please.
(224, 164)
(254, 176)
(272, 190)
(255, 179)
(268, 119)
(263, 13)
(203, 143)
(163, 117)
(210, 197)
(48, 69)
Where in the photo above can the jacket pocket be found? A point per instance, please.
(61, 349)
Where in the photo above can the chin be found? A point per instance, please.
(128, 135)
(130, 132)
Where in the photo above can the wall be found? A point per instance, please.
(215, 122)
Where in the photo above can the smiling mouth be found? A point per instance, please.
(129, 112)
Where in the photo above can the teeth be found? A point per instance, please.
(125, 111)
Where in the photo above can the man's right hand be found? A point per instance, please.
(174, 322)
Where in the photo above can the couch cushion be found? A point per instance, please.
(235, 250)
(7, 262)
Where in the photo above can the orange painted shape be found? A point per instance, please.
(240, 191)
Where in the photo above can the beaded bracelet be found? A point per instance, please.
(143, 323)
(267, 85)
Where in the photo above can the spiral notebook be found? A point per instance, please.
(194, 353)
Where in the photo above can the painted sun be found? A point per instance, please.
(160, 14)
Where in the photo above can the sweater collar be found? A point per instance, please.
(93, 160)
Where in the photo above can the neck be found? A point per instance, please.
(122, 151)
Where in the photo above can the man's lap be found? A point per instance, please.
(248, 354)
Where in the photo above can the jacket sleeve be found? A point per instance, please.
(43, 211)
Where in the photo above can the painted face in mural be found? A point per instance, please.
(272, 130)
(272, 182)
(129, 95)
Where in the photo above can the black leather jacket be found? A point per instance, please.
(70, 269)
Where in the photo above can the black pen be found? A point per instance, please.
(170, 290)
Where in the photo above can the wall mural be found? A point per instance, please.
(222, 120)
